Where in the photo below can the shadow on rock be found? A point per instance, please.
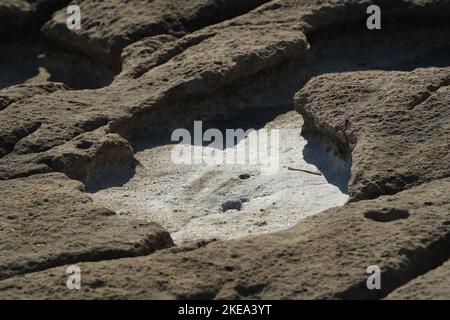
(30, 60)
(334, 165)
(113, 177)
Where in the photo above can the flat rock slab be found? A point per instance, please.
(46, 220)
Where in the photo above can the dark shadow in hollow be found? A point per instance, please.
(31, 60)
(334, 165)
(440, 57)
(246, 120)
(16, 67)
(114, 177)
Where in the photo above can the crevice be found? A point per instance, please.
(146, 247)
(421, 99)
(45, 9)
(387, 215)
(418, 262)
(19, 134)
(172, 50)
(27, 18)
(191, 246)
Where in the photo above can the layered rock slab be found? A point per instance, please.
(109, 26)
(46, 220)
(166, 74)
(396, 124)
(300, 263)
(14, 94)
(38, 124)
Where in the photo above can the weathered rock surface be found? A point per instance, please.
(46, 221)
(193, 66)
(109, 26)
(176, 67)
(14, 94)
(36, 125)
(294, 264)
(389, 120)
(434, 285)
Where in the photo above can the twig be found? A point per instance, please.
(307, 171)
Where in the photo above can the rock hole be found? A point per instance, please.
(387, 215)
(231, 205)
(262, 203)
(84, 145)
(247, 290)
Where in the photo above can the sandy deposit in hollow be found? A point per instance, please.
(186, 199)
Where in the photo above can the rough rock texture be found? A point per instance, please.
(46, 221)
(434, 285)
(14, 94)
(197, 65)
(294, 264)
(109, 26)
(175, 66)
(36, 125)
(385, 119)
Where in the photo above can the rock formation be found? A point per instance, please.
(379, 100)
